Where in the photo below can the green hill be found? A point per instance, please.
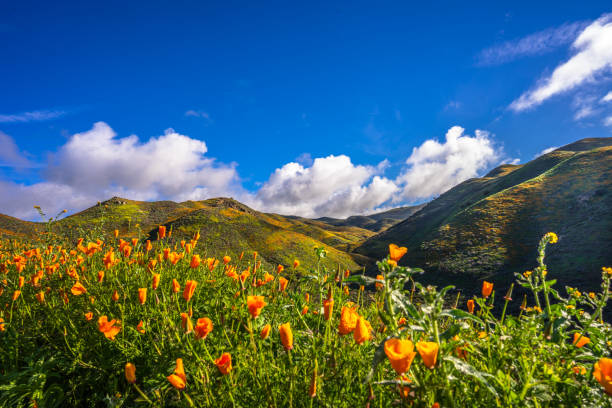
(491, 225)
(375, 222)
(225, 225)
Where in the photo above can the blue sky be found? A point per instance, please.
(312, 109)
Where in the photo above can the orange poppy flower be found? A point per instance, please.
(224, 363)
(396, 253)
(161, 232)
(265, 332)
(470, 305)
(429, 352)
(307, 297)
(78, 289)
(255, 305)
(148, 245)
(21, 281)
(190, 286)
(156, 278)
(286, 336)
(580, 340)
(296, 263)
(328, 308)
(400, 354)
(40, 296)
(116, 233)
(115, 296)
(282, 283)
(487, 288)
(195, 261)
(312, 390)
(203, 327)
(378, 284)
(226, 259)
(602, 371)
(176, 287)
(88, 316)
(140, 327)
(304, 310)
(186, 323)
(100, 276)
(178, 379)
(280, 269)
(348, 320)
(130, 373)
(142, 295)
(363, 331)
(16, 295)
(108, 328)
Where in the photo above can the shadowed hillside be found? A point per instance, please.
(375, 222)
(491, 225)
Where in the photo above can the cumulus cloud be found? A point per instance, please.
(9, 153)
(332, 186)
(593, 56)
(608, 121)
(538, 43)
(34, 116)
(96, 165)
(607, 97)
(434, 167)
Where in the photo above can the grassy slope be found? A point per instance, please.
(375, 222)
(226, 226)
(492, 224)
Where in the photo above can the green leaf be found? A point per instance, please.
(461, 315)
(467, 369)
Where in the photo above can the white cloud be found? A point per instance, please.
(535, 44)
(546, 151)
(435, 167)
(34, 116)
(198, 114)
(607, 97)
(10, 154)
(96, 164)
(608, 121)
(593, 56)
(585, 106)
(331, 186)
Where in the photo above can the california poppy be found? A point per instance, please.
(190, 286)
(348, 320)
(400, 354)
(328, 308)
(265, 332)
(88, 316)
(378, 284)
(283, 283)
(580, 340)
(255, 305)
(108, 328)
(130, 373)
(178, 378)
(40, 296)
(429, 352)
(224, 363)
(186, 323)
(161, 232)
(203, 327)
(142, 295)
(195, 261)
(396, 253)
(176, 287)
(470, 305)
(363, 331)
(286, 336)
(602, 371)
(140, 327)
(487, 288)
(226, 260)
(78, 289)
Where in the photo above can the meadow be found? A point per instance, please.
(119, 321)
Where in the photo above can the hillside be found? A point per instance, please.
(375, 222)
(491, 225)
(225, 225)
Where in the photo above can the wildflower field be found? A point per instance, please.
(128, 322)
